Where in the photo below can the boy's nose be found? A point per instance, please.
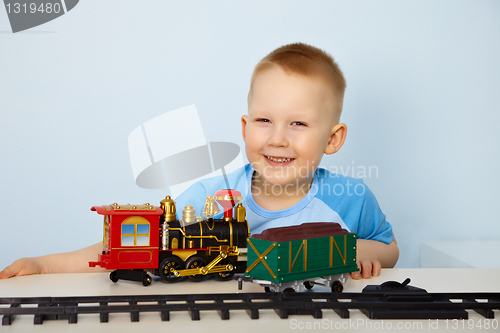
(278, 138)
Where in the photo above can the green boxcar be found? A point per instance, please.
(281, 262)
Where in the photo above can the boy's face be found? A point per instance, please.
(289, 126)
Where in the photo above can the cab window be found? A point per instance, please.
(135, 232)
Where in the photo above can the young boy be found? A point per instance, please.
(294, 106)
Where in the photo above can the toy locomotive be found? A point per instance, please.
(297, 257)
(144, 238)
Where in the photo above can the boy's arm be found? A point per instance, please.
(69, 262)
(373, 255)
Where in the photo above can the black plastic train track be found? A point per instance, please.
(391, 300)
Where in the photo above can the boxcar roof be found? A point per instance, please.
(302, 231)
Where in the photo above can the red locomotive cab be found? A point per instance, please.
(130, 236)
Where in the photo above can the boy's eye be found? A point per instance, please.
(298, 123)
(264, 120)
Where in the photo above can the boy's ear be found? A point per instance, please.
(244, 119)
(337, 138)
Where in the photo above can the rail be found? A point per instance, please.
(410, 305)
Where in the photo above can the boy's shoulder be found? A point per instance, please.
(333, 188)
(233, 179)
(355, 203)
(203, 187)
(327, 176)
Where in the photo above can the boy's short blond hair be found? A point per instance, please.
(305, 60)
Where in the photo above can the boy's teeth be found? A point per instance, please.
(280, 160)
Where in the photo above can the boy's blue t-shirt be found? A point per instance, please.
(332, 198)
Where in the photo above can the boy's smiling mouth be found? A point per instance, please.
(279, 159)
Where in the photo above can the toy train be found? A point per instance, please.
(144, 238)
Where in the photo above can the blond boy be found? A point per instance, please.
(294, 106)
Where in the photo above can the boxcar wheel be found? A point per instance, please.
(337, 287)
(113, 277)
(308, 284)
(167, 266)
(196, 262)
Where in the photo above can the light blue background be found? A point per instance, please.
(422, 105)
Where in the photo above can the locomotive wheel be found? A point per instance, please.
(166, 267)
(196, 262)
(113, 277)
(146, 279)
(337, 287)
(289, 290)
(308, 285)
(225, 276)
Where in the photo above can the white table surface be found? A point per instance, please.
(97, 284)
